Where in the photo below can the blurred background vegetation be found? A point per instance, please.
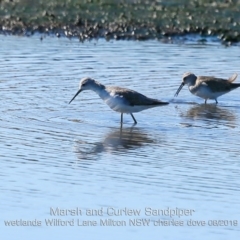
(122, 19)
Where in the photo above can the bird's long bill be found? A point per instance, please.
(75, 95)
(179, 89)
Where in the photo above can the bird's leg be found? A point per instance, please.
(133, 118)
(206, 101)
(216, 101)
(121, 122)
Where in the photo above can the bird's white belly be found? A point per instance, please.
(118, 104)
(205, 92)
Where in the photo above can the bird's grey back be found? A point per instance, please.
(217, 84)
(133, 97)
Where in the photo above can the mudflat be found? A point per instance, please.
(122, 19)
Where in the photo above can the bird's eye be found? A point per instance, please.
(83, 84)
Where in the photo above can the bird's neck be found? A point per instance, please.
(191, 83)
(100, 90)
(192, 88)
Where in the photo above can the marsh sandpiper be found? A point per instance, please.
(208, 87)
(119, 99)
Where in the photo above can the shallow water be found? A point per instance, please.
(55, 155)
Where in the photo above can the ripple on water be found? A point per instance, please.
(182, 155)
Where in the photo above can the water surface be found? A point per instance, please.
(55, 155)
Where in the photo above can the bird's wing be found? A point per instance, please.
(216, 84)
(135, 98)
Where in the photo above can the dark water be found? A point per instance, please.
(183, 156)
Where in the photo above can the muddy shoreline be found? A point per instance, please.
(127, 19)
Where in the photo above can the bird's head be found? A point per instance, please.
(85, 84)
(188, 79)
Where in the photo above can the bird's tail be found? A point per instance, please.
(233, 77)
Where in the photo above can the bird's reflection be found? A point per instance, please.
(210, 112)
(120, 140)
